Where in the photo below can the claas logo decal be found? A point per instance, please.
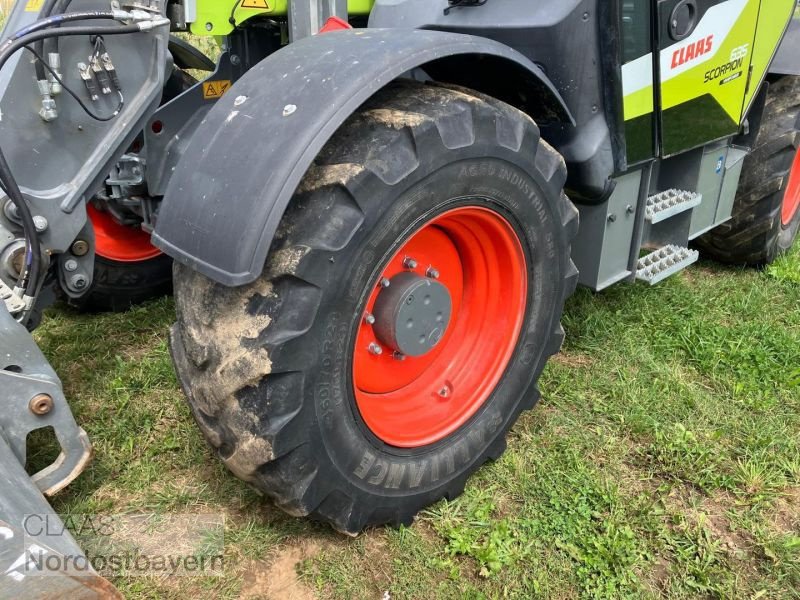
(692, 51)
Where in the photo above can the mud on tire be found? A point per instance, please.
(267, 368)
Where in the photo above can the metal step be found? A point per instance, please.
(13, 303)
(667, 204)
(662, 263)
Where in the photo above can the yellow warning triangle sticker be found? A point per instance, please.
(262, 4)
(215, 89)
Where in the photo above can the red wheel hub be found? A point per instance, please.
(118, 242)
(791, 201)
(475, 255)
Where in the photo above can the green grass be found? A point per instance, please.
(664, 459)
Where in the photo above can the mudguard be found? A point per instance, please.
(233, 184)
(787, 59)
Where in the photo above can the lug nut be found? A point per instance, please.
(432, 273)
(80, 248)
(399, 356)
(385, 283)
(410, 263)
(375, 349)
(370, 319)
(41, 404)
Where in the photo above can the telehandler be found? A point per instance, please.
(369, 211)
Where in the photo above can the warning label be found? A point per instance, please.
(262, 4)
(215, 89)
(34, 5)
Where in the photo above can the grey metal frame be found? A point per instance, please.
(26, 375)
(60, 164)
(307, 17)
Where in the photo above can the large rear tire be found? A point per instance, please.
(766, 213)
(305, 382)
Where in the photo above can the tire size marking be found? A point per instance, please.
(328, 396)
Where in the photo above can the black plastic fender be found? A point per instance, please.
(233, 184)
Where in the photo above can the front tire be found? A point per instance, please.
(280, 374)
(128, 269)
(766, 213)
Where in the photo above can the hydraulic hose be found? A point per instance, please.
(57, 20)
(52, 45)
(32, 272)
(46, 11)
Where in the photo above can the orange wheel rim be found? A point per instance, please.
(412, 401)
(118, 242)
(791, 200)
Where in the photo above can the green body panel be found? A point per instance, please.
(693, 83)
(708, 83)
(706, 101)
(772, 20)
(214, 16)
(639, 103)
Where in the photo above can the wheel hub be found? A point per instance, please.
(439, 326)
(412, 314)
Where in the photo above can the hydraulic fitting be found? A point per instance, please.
(109, 68)
(101, 75)
(49, 111)
(54, 60)
(87, 76)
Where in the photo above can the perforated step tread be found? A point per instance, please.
(667, 204)
(14, 303)
(664, 262)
